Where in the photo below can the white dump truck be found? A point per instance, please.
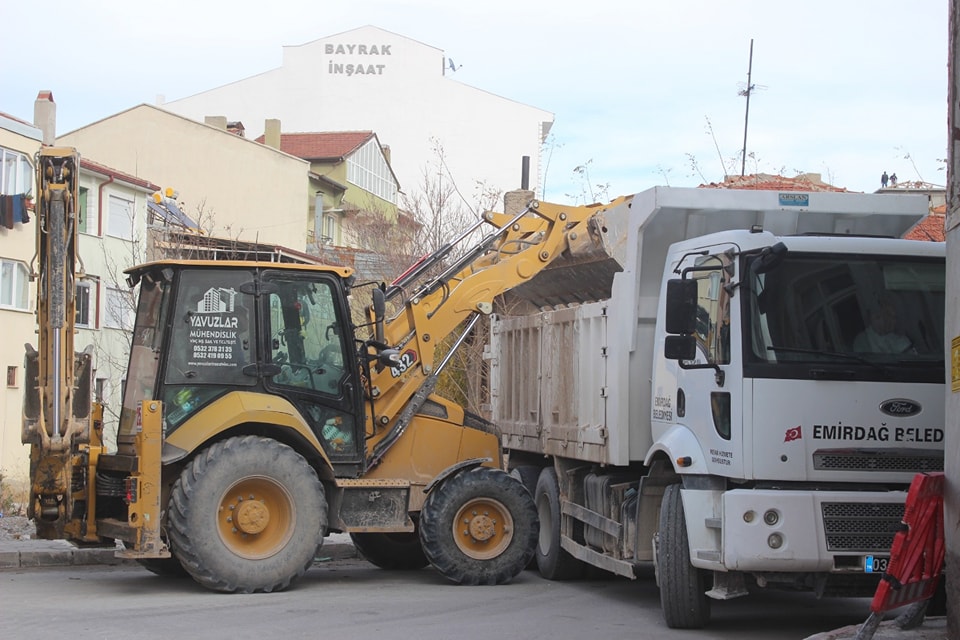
(744, 401)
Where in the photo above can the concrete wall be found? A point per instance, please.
(233, 186)
(403, 93)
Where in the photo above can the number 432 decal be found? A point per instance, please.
(407, 360)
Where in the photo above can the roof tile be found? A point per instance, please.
(322, 145)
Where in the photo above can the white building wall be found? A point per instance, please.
(402, 93)
(17, 327)
(104, 259)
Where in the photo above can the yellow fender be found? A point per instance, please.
(232, 410)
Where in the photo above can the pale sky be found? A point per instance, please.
(845, 88)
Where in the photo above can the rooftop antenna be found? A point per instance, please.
(746, 91)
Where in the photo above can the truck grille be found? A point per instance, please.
(861, 527)
(878, 460)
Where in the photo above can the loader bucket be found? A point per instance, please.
(582, 273)
(569, 280)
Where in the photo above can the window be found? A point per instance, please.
(84, 225)
(86, 304)
(713, 310)
(120, 218)
(119, 309)
(16, 173)
(368, 169)
(307, 342)
(12, 376)
(14, 285)
(329, 228)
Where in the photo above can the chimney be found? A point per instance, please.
(45, 116)
(220, 122)
(386, 152)
(271, 133)
(516, 201)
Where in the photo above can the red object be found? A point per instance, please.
(916, 556)
(792, 434)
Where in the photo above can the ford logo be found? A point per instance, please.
(900, 407)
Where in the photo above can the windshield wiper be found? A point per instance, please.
(835, 354)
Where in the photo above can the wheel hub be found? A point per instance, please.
(482, 527)
(252, 517)
(256, 517)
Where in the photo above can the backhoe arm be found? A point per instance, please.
(57, 399)
(518, 248)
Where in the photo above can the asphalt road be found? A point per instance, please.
(352, 599)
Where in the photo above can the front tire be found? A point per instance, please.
(479, 527)
(246, 515)
(683, 587)
(391, 551)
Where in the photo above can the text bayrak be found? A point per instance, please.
(883, 433)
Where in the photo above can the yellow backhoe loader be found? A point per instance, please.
(260, 414)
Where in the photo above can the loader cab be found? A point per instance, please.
(205, 332)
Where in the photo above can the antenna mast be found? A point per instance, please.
(746, 118)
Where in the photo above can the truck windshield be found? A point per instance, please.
(144, 353)
(871, 316)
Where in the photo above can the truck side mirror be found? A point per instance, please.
(680, 348)
(379, 312)
(681, 303)
(769, 259)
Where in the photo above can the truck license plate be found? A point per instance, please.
(875, 564)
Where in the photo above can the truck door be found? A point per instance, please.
(310, 340)
(712, 395)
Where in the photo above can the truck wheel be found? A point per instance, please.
(246, 515)
(683, 587)
(393, 551)
(528, 475)
(553, 562)
(479, 527)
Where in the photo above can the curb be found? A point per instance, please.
(53, 553)
(933, 628)
(28, 554)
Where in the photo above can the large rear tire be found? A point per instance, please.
(246, 515)
(683, 587)
(164, 567)
(479, 527)
(391, 551)
(553, 562)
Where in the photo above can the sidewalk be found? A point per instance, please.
(28, 553)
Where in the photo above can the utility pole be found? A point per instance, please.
(746, 118)
(951, 502)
